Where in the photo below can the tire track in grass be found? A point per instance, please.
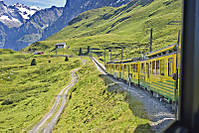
(60, 99)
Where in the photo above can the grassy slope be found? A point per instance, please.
(27, 93)
(128, 25)
(96, 106)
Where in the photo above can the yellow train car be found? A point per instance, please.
(157, 72)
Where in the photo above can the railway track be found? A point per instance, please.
(160, 113)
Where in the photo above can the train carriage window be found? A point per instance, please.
(153, 67)
(124, 67)
(150, 68)
(157, 67)
(131, 67)
(162, 67)
(147, 70)
(128, 68)
(170, 64)
(142, 68)
(136, 68)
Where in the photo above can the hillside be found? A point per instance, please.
(29, 92)
(127, 26)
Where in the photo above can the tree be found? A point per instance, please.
(33, 63)
(88, 49)
(80, 51)
(66, 59)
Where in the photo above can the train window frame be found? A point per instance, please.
(142, 68)
(148, 69)
(157, 67)
(124, 66)
(128, 67)
(136, 68)
(170, 66)
(153, 67)
(162, 67)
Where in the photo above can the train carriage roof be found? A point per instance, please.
(170, 47)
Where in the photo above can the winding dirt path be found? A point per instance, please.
(60, 99)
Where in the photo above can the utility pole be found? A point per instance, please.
(178, 38)
(110, 53)
(151, 38)
(122, 53)
(122, 69)
(105, 56)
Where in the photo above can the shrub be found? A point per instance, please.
(33, 63)
(66, 59)
(7, 102)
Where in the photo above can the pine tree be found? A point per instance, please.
(33, 63)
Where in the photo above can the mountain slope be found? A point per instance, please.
(10, 16)
(127, 26)
(31, 31)
(3, 34)
(42, 29)
(74, 8)
(15, 15)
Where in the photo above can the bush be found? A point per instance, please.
(66, 59)
(33, 63)
(7, 102)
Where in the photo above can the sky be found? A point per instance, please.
(38, 3)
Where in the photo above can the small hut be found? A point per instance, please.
(60, 45)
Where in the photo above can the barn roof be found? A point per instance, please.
(60, 44)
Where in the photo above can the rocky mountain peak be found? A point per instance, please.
(25, 11)
(15, 15)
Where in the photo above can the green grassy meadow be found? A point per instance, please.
(27, 92)
(128, 26)
(97, 105)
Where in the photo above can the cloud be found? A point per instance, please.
(39, 3)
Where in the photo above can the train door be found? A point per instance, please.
(142, 74)
(147, 73)
(170, 67)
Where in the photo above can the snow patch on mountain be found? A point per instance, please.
(25, 11)
(16, 15)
